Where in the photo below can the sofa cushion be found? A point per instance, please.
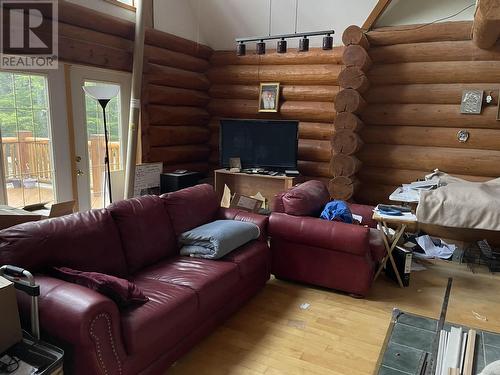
(251, 258)
(88, 241)
(191, 207)
(145, 229)
(160, 323)
(306, 199)
(213, 281)
(121, 291)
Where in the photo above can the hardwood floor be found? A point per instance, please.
(337, 334)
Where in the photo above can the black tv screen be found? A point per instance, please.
(269, 144)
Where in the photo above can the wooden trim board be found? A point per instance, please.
(71, 133)
(375, 14)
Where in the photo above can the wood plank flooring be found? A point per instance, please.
(337, 334)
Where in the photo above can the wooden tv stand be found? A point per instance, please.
(251, 184)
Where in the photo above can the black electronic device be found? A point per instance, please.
(267, 144)
(176, 181)
(292, 173)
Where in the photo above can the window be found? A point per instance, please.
(25, 124)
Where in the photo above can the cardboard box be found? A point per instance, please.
(10, 326)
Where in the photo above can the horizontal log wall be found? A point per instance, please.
(412, 111)
(175, 87)
(309, 86)
(174, 118)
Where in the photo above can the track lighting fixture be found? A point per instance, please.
(281, 47)
(327, 42)
(241, 49)
(282, 42)
(261, 47)
(304, 44)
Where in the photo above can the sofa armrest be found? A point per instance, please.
(366, 212)
(81, 318)
(310, 231)
(236, 214)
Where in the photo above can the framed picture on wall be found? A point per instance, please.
(269, 96)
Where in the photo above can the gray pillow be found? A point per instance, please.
(218, 238)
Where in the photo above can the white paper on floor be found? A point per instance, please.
(445, 251)
(304, 306)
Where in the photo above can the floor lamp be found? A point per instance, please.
(103, 94)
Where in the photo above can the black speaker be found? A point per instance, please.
(176, 181)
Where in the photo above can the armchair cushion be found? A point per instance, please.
(121, 291)
(346, 238)
(306, 199)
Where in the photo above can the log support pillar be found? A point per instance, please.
(349, 102)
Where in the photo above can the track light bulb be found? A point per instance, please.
(261, 48)
(327, 42)
(241, 49)
(304, 44)
(281, 47)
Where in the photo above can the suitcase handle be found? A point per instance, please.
(23, 280)
(14, 274)
(13, 271)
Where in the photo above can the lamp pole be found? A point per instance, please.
(104, 103)
(103, 94)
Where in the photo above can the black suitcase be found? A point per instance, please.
(31, 355)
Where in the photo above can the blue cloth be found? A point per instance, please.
(337, 211)
(218, 238)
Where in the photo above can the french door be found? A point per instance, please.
(90, 138)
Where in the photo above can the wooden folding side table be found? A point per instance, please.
(390, 242)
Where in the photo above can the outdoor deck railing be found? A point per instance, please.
(26, 156)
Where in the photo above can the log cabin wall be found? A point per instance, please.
(413, 114)
(174, 120)
(173, 117)
(309, 85)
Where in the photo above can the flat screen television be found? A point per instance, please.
(268, 144)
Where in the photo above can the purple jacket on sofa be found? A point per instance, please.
(136, 239)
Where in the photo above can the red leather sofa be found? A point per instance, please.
(136, 239)
(330, 254)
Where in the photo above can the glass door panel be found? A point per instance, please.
(25, 124)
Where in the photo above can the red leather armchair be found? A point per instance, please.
(330, 254)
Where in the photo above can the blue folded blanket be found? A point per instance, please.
(218, 238)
